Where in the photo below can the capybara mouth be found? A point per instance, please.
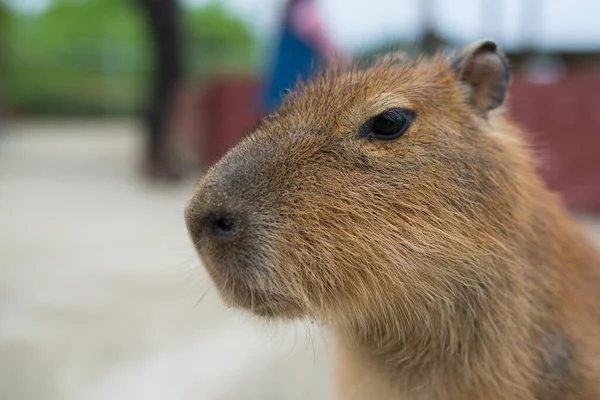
(267, 304)
(260, 301)
(242, 284)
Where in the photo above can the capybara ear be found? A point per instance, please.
(482, 67)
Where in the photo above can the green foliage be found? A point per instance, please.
(217, 41)
(92, 56)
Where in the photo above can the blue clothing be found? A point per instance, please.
(294, 58)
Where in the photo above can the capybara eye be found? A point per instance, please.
(390, 124)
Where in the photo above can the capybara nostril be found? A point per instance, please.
(223, 225)
(207, 222)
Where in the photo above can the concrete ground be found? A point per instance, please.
(101, 296)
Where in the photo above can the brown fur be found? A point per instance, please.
(441, 262)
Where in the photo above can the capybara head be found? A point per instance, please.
(368, 189)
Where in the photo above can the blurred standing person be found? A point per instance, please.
(302, 47)
(164, 23)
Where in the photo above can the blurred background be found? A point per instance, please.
(109, 111)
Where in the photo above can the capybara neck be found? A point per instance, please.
(470, 341)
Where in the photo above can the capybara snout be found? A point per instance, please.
(233, 217)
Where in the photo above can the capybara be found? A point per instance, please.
(400, 207)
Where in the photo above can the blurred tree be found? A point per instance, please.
(5, 17)
(77, 56)
(430, 40)
(217, 41)
(90, 56)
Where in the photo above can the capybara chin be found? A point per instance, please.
(398, 205)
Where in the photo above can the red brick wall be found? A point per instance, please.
(231, 108)
(563, 118)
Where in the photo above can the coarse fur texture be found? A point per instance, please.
(440, 261)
